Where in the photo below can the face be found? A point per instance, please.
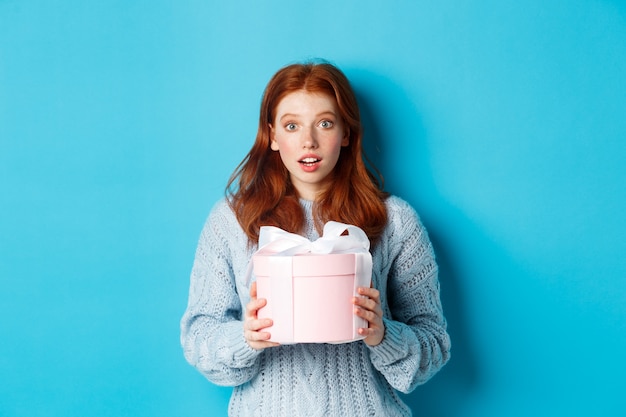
(309, 133)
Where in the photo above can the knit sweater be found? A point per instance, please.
(351, 379)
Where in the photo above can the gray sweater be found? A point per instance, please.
(323, 380)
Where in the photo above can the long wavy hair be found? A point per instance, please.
(260, 191)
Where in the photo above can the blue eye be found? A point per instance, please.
(290, 126)
(326, 124)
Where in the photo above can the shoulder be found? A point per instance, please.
(404, 224)
(400, 213)
(395, 203)
(221, 212)
(223, 238)
(222, 223)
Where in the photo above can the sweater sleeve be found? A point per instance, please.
(416, 344)
(211, 327)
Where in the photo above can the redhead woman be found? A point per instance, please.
(306, 168)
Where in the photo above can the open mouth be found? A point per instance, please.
(309, 161)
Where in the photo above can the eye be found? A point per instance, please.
(290, 126)
(326, 124)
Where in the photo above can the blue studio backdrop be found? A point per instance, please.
(502, 122)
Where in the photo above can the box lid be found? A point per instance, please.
(309, 264)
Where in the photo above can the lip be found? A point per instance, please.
(309, 162)
(310, 156)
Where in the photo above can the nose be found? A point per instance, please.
(309, 140)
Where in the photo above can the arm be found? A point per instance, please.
(415, 343)
(212, 332)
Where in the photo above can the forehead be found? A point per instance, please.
(303, 102)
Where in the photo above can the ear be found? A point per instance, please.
(273, 143)
(346, 138)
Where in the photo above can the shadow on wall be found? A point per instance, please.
(385, 104)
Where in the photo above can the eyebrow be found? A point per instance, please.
(291, 115)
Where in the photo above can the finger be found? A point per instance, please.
(368, 331)
(369, 292)
(373, 335)
(257, 303)
(253, 307)
(253, 292)
(255, 336)
(258, 339)
(256, 325)
(368, 304)
(365, 302)
(262, 345)
(371, 317)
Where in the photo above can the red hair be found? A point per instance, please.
(265, 195)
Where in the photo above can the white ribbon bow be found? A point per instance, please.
(332, 240)
(281, 243)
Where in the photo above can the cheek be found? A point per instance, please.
(341, 142)
(284, 149)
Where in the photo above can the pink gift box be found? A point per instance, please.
(309, 295)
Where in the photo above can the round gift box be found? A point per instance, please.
(309, 296)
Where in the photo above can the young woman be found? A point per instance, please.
(306, 168)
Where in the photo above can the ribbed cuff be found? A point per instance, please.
(392, 348)
(243, 355)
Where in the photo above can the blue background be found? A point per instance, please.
(502, 122)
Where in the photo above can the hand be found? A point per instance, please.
(368, 307)
(252, 325)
